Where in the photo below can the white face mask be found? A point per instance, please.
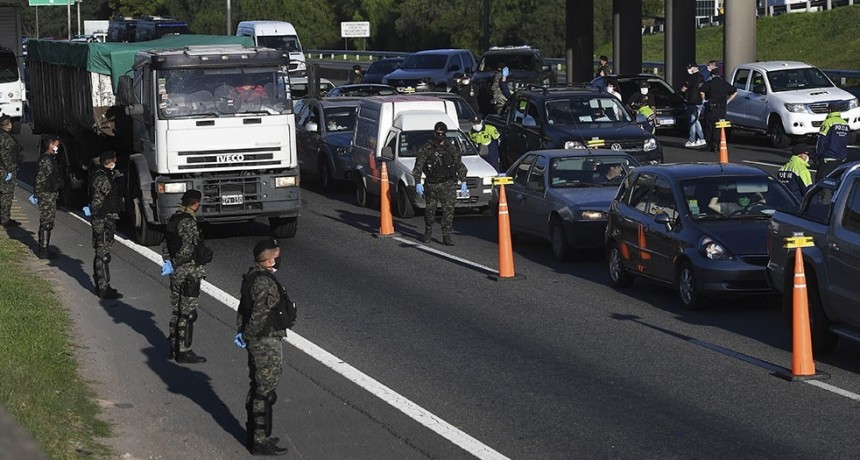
(55, 149)
(690, 71)
(610, 88)
(477, 127)
(465, 81)
(110, 166)
(643, 90)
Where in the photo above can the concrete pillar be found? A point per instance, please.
(579, 40)
(627, 36)
(739, 34)
(680, 40)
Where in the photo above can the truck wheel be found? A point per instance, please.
(619, 277)
(778, 137)
(823, 341)
(284, 227)
(146, 234)
(561, 250)
(687, 288)
(402, 204)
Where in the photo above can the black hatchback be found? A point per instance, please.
(698, 227)
(670, 106)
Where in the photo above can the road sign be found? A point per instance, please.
(356, 29)
(50, 2)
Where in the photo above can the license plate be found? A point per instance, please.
(228, 200)
(665, 121)
(462, 196)
(406, 89)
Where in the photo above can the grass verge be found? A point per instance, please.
(39, 383)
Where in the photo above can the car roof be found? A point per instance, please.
(442, 51)
(562, 89)
(557, 153)
(702, 169)
(776, 65)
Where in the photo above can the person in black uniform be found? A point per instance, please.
(463, 87)
(717, 93)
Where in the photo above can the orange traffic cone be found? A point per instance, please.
(724, 148)
(386, 224)
(506, 257)
(801, 349)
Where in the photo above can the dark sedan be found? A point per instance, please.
(698, 227)
(563, 195)
(381, 68)
(361, 90)
(670, 106)
(324, 130)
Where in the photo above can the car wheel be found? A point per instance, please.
(326, 178)
(402, 204)
(361, 198)
(823, 340)
(687, 289)
(778, 137)
(619, 277)
(561, 250)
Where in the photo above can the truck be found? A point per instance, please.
(13, 94)
(830, 215)
(210, 113)
(392, 128)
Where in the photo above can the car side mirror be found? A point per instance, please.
(759, 89)
(663, 218)
(312, 126)
(387, 154)
(546, 67)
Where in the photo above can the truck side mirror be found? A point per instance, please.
(312, 127)
(387, 154)
(126, 91)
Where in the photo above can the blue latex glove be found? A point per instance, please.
(240, 341)
(33, 199)
(8, 177)
(87, 211)
(167, 268)
(505, 72)
(464, 188)
(419, 189)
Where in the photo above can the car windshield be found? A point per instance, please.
(383, 67)
(464, 110)
(527, 62)
(424, 61)
(340, 119)
(662, 92)
(794, 79)
(602, 109)
(411, 142)
(362, 91)
(279, 42)
(8, 68)
(735, 197)
(588, 171)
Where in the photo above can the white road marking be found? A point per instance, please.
(834, 389)
(445, 255)
(399, 402)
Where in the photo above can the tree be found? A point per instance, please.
(140, 8)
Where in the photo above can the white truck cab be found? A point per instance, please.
(403, 124)
(279, 35)
(786, 99)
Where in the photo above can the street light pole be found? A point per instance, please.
(78, 4)
(229, 20)
(69, 17)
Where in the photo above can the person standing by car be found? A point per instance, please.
(690, 89)
(442, 166)
(718, 93)
(795, 174)
(603, 67)
(831, 149)
(643, 103)
(105, 206)
(10, 162)
(464, 88)
(48, 183)
(612, 88)
(710, 69)
(355, 76)
(486, 136)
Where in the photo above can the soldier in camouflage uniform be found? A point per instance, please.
(186, 253)
(10, 161)
(262, 338)
(442, 166)
(48, 184)
(105, 205)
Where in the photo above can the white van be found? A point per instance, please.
(399, 126)
(279, 35)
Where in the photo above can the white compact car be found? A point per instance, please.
(786, 99)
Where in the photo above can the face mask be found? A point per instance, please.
(277, 264)
(643, 90)
(610, 88)
(690, 71)
(477, 127)
(465, 81)
(440, 136)
(55, 149)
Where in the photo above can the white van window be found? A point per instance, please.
(284, 42)
(412, 141)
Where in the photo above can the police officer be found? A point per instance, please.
(263, 319)
(643, 103)
(717, 93)
(355, 76)
(442, 166)
(464, 88)
(185, 255)
(105, 206)
(48, 183)
(795, 174)
(486, 136)
(831, 149)
(10, 161)
(603, 67)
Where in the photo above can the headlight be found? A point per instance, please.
(593, 215)
(713, 250)
(487, 180)
(852, 104)
(650, 144)
(172, 187)
(286, 181)
(574, 145)
(796, 108)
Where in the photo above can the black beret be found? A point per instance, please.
(603, 58)
(265, 245)
(107, 155)
(5, 119)
(799, 148)
(192, 195)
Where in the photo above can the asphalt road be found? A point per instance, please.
(552, 365)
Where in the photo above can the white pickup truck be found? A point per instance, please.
(786, 99)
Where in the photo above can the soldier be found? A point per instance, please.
(265, 313)
(48, 183)
(185, 254)
(105, 205)
(442, 166)
(355, 76)
(464, 88)
(10, 161)
(603, 67)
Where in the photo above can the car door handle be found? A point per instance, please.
(834, 247)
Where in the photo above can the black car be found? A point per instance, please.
(670, 106)
(381, 68)
(324, 129)
(361, 90)
(698, 227)
(526, 66)
(570, 117)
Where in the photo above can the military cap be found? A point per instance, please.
(4, 119)
(799, 148)
(107, 155)
(603, 58)
(192, 195)
(265, 245)
(440, 127)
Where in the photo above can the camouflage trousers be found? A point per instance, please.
(184, 299)
(444, 194)
(47, 210)
(7, 193)
(103, 234)
(265, 364)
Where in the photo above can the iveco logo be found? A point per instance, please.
(231, 158)
(616, 147)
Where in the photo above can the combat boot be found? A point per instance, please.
(268, 448)
(446, 239)
(189, 357)
(109, 293)
(428, 236)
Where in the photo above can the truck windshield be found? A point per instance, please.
(280, 42)
(425, 61)
(795, 79)
(735, 197)
(522, 61)
(220, 92)
(8, 68)
(585, 110)
(412, 141)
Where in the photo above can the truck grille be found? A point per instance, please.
(250, 188)
(822, 107)
(232, 158)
